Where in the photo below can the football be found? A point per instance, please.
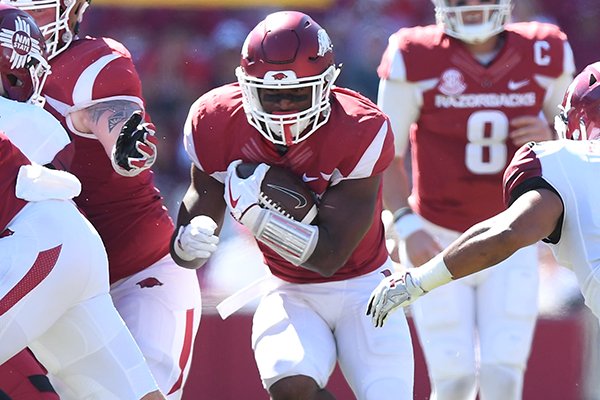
(284, 192)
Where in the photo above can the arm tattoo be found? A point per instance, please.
(118, 111)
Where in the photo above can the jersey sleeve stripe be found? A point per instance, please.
(365, 166)
(82, 92)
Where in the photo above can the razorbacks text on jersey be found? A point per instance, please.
(466, 110)
(126, 211)
(322, 160)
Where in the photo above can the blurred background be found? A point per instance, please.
(183, 48)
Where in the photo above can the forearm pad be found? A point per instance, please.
(292, 240)
(38, 183)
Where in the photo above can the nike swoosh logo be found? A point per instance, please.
(231, 199)
(307, 178)
(512, 85)
(302, 202)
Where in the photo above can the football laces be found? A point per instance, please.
(266, 202)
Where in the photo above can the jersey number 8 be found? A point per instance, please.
(486, 154)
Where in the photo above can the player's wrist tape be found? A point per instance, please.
(432, 274)
(292, 240)
(406, 222)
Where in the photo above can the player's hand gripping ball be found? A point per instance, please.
(284, 192)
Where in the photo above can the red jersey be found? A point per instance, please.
(459, 143)
(355, 143)
(11, 159)
(127, 211)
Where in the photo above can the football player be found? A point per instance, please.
(54, 291)
(40, 137)
(285, 111)
(466, 93)
(551, 196)
(43, 242)
(93, 91)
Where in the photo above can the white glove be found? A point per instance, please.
(242, 195)
(197, 239)
(397, 290)
(38, 183)
(135, 149)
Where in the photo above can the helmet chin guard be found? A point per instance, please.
(456, 19)
(287, 50)
(288, 128)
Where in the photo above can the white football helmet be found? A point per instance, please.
(60, 32)
(455, 19)
(287, 50)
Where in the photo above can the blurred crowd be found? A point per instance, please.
(182, 53)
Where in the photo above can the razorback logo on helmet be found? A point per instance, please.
(325, 44)
(21, 43)
(280, 76)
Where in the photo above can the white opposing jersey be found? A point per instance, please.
(572, 169)
(33, 130)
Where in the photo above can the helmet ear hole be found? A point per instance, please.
(13, 80)
(592, 79)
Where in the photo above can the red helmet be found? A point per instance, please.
(287, 50)
(579, 117)
(23, 65)
(63, 28)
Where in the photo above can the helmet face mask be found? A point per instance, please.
(23, 66)
(473, 23)
(59, 22)
(287, 51)
(579, 116)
